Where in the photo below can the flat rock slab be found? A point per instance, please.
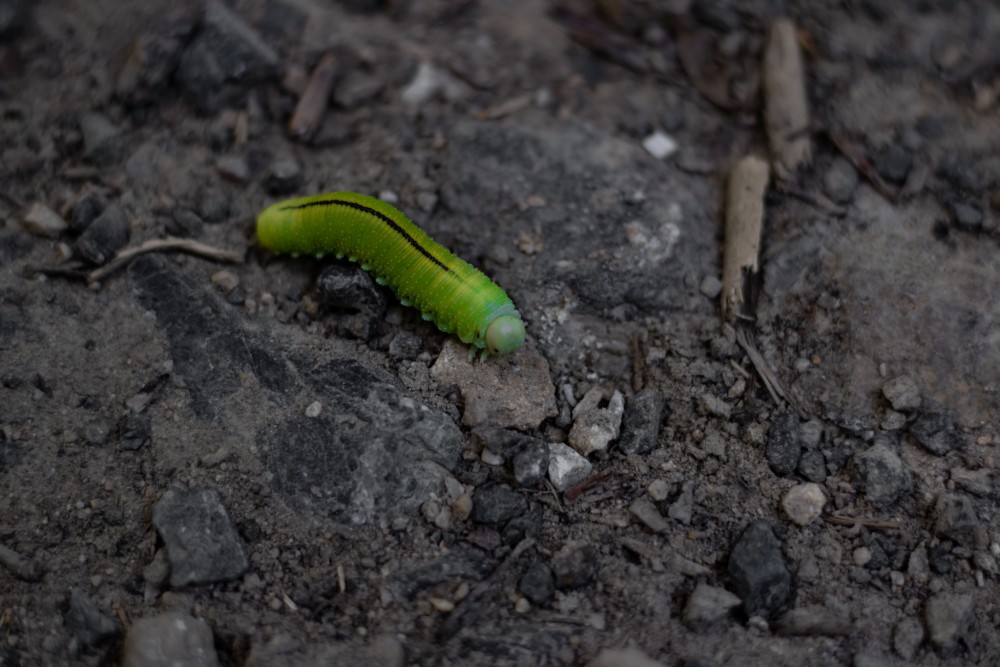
(509, 392)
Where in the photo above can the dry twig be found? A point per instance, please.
(156, 245)
(786, 110)
(744, 224)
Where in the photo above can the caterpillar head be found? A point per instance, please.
(504, 334)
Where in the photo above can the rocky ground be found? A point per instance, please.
(270, 461)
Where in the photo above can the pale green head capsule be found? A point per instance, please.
(504, 334)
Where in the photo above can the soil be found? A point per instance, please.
(274, 462)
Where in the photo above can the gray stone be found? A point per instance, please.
(233, 168)
(955, 519)
(812, 466)
(574, 566)
(784, 446)
(225, 56)
(907, 637)
(202, 544)
(758, 572)
(641, 422)
(707, 605)
(814, 620)
(405, 345)
(840, 180)
(966, 215)
(531, 463)
(682, 509)
(537, 584)
(356, 89)
(647, 514)
(881, 475)
(936, 433)
(102, 141)
(213, 206)
(902, 393)
(105, 236)
(88, 625)
(285, 176)
(894, 163)
(949, 619)
(169, 640)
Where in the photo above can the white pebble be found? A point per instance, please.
(804, 503)
(313, 409)
(660, 145)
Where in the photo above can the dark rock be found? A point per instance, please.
(464, 563)
(170, 639)
(840, 180)
(503, 442)
(496, 504)
(86, 211)
(784, 446)
(13, 17)
(758, 572)
(531, 463)
(522, 526)
(955, 519)
(213, 206)
(940, 559)
(342, 286)
(87, 623)
(881, 475)
(949, 621)
(538, 584)
(102, 141)
(153, 57)
(201, 542)
(188, 223)
(959, 172)
(135, 430)
(113, 515)
(936, 433)
(574, 567)
(104, 237)
(641, 422)
(812, 466)
(966, 215)
(285, 176)
(718, 14)
(210, 349)
(224, 58)
(894, 163)
(931, 127)
(404, 345)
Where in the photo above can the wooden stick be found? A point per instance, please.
(744, 224)
(182, 245)
(786, 109)
(312, 105)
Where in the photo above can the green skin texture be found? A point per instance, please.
(452, 293)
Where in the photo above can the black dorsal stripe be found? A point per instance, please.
(381, 216)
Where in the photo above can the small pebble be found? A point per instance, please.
(803, 504)
(225, 280)
(840, 181)
(658, 490)
(710, 286)
(314, 409)
(708, 604)
(647, 514)
(660, 145)
(104, 237)
(902, 393)
(862, 556)
(948, 617)
(966, 216)
(233, 168)
(285, 176)
(40, 220)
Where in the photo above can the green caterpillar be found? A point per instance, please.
(449, 291)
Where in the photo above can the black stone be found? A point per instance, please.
(104, 237)
(935, 432)
(812, 466)
(538, 584)
(758, 572)
(135, 430)
(496, 504)
(894, 163)
(86, 211)
(641, 422)
(531, 463)
(784, 446)
(88, 625)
